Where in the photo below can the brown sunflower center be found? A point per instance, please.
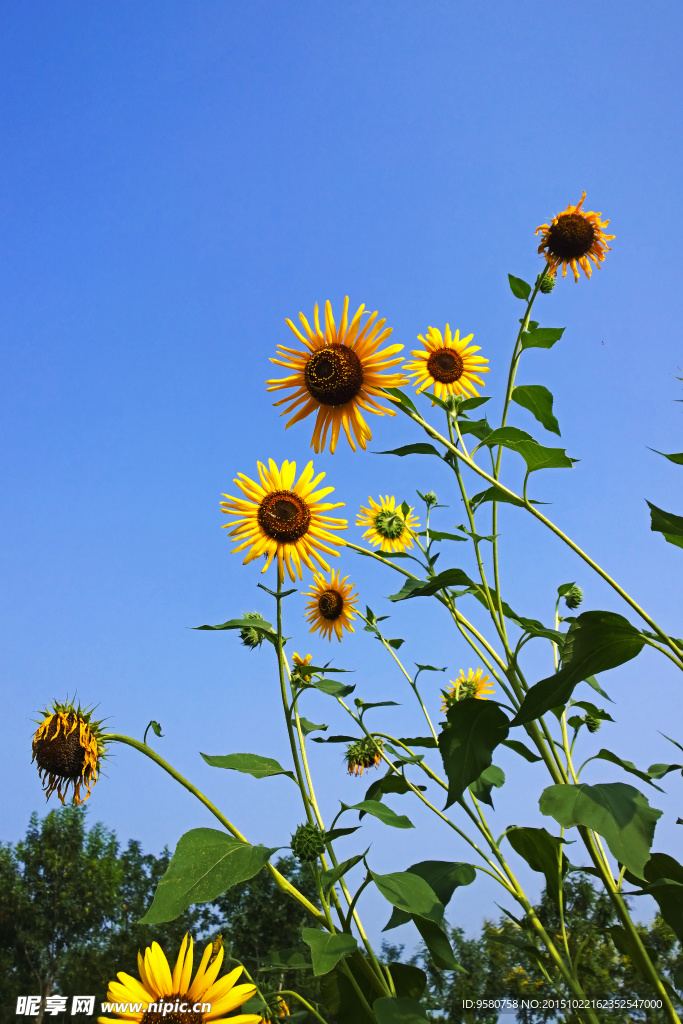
(168, 1014)
(284, 516)
(445, 365)
(334, 375)
(330, 604)
(571, 236)
(59, 754)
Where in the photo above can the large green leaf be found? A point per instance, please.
(381, 811)
(420, 448)
(507, 436)
(490, 777)
(628, 766)
(249, 764)
(668, 524)
(538, 457)
(542, 337)
(519, 288)
(426, 588)
(389, 783)
(333, 687)
(479, 428)
(206, 862)
(259, 625)
(409, 981)
(341, 998)
(411, 894)
(543, 853)
(399, 1010)
(539, 401)
(436, 941)
(326, 949)
(596, 641)
(617, 812)
(665, 877)
(443, 877)
(467, 741)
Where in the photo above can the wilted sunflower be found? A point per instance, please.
(363, 754)
(387, 524)
(68, 747)
(574, 237)
(474, 684)
(162, 993)
(449, 363)
(332, 606)
(285, 518)
(338, 375)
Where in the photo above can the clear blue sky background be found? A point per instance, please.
(176, 180)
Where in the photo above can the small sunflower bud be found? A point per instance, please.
(251, 638)
(308, 842)
(573, 597)
(430, 498)
(592, 724)
(547, 284)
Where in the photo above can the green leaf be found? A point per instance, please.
(658, 771)
(332, 875)
(425, 588)
(596, 641)
(399, 1010)
(617, 812)
(665, 877)
(471, 403)
(542, 337)
(396, 644)
(381, 811)
(628, 766)
(479, 428)
(389, 783)
(490, 777)
(519, 288)
(410, 893)
(336, 739)
(259, 625)
(443, 877)
(420, 448)
(522, 749)
(627, 947)
(327, 950)
(538, 457)
(341, 998)
(438, 535)
(668, 524)
(677, 458)
(507, 436)
(592, 681)
(333, 687)
(419, 741)
(206, 862)
(308, 727)
(539, 401)
(592, 710)
(285, 959)
(437, 943)
(474, 730)
(409, 981)
(543, 853)
(401, 398)
(249, 764)
(496, 494)
(337, 833)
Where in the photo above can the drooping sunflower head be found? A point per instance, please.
(172, 997)
(474, 684)
(285, 517)
(332, 605)
(448, 363)
(338, 374)
(388, 524)
(68, 747)
(573, 238)
(364, 754)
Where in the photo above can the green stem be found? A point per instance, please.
(311, 1009)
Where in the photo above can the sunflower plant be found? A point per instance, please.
(282, 520)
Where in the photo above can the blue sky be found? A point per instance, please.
(179, 178)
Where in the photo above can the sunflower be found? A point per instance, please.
(338, 375)
(162, 993)
(573, 237)
(448, 363)
(474, 684)
(68, 747)
(284, 518)
(363, 754)
(332, 606)
(387, 524)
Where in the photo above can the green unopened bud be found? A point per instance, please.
(592, 724)
(251, 637)
(308, 842)
(547, 284)
(573, 597)
(430, 498)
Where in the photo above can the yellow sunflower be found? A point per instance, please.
(449, 363)
(160, 995)
(332, 606)
(574, 237)
(338, 375)
(279, 516)
(387, 524)
(68, 747)
(474, 684)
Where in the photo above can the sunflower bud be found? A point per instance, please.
(547, 284)
(363, 754)
(250, 637)
(308, 842)
(592, 724)
(430, 498)
(573, 597)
